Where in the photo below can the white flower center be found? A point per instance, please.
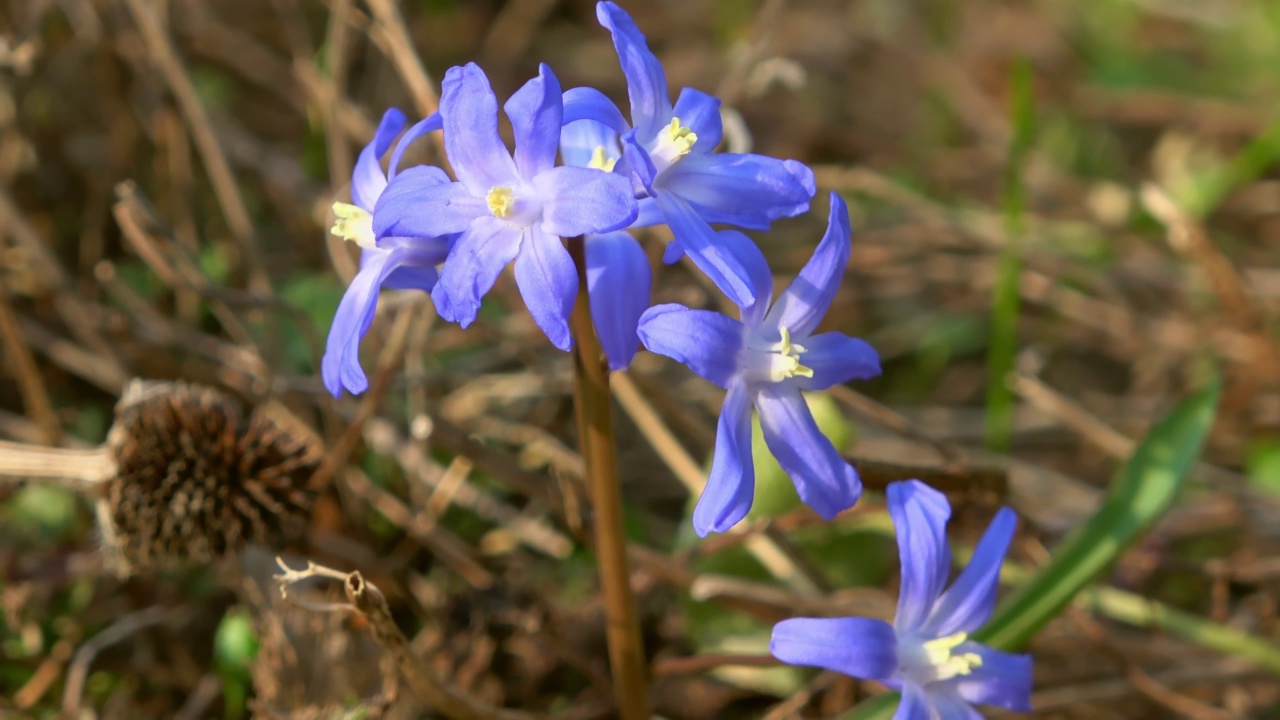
(673, 142)
(774, 361)
(518, 208)
(354, 224)
(501, 200)
(934, 660)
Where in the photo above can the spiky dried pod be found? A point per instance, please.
(197, 479)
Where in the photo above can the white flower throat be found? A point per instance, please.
(518, 208)
(673, 142)
(934, 660)
(775, 361)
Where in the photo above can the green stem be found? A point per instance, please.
(596, 441)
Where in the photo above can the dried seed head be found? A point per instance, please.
(197, 479)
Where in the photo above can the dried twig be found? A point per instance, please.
(365, 598)
(163, 54)
(800, 577)
(382, 437)
(121, 629)
(23, 367)
(390, 33)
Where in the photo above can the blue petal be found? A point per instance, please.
(749, 191)
(618, 282)
(579, 140)
(1003, 679)
(836, 358)
(577, 201)
(823, 479)
(428, 124)
(700, 112)
(340, 366)
(945, 704)
(586, 103)
(646, 81)
(420, 256)
(706, 250)
(473, 266)
(920, 516)
(421, 202)
(707, 342)
(859, 647)
(801, 306)
(470, 113)
(412, 278)
(731, 485)
(367, 178)
(548, 283)
(536, 110)
(915, 704)
(649, 215)
(967, 604)
(758, 274)
(636, 159)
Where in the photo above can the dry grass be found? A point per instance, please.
(165, 176)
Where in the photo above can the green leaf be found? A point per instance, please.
(1262, 464)
(235, 645)
(1144, 490)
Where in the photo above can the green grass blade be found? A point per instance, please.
(1144, 490)
(1005, 301)
(1141, 612)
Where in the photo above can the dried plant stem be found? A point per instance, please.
(162, 52)
(596, 438)
(366, 598)
(79, 468)
(23, 368)
(121, 629)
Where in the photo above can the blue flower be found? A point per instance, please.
(506, 209)
(399, 262)
(764, 361)
(667, 152)
(926, 654)
(618, 275)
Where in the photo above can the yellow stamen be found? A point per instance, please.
(354, 224)
(679, 137)
(947, 665)
(501, 200)
(789, 363)
(600, 161)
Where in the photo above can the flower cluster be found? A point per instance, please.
(419, 228)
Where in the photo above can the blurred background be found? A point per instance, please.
(1066, 219)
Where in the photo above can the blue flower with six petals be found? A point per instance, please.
(667, 153)
(765, 361)
(395, 261)
(505, 208)
(926, 654)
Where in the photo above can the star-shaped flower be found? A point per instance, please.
(926, 654)
(506, 208)
(765, 361)
(396, 261)
(667, 151)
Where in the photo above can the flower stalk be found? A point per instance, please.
(597, 444)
